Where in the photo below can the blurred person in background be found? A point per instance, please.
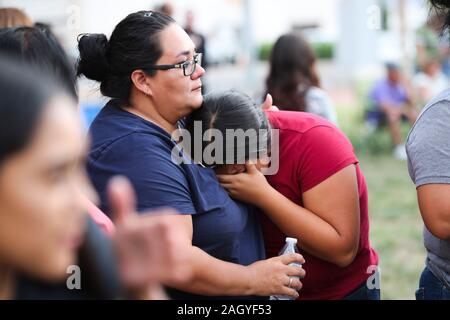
(12, 17)
(429, 82)
(198, 39)
(318, 196)
(428, 151)
(39, 48)
(43, 184)
(391, 101)
(152, 72)
(293, 80)
(27, 22)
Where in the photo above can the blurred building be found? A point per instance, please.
(363, 34)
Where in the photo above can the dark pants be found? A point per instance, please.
(431, 288)
(364, 293)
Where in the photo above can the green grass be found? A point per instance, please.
(396, 225)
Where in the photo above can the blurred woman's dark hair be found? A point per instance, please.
(230, 110)
(13, 17)
(23, 97)
(442, 7)
(134, 44)
(40, 49)
(292, 72)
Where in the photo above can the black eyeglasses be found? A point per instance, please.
(187, 66)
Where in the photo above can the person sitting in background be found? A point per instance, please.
(12, 17)
(293, 81)
(391, 101)
(429, 82)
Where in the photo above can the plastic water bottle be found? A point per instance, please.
(289, 247)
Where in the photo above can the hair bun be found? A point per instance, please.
(93, 63)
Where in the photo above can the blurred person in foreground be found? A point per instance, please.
(41, 52)
(428, 151)
(39, 48)
(391, 102)
(293, 80)
(43, 225)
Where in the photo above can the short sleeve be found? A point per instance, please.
(324, 151)
(428, 146)
(147, 163)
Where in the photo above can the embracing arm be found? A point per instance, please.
(157, 248)
(212, 276)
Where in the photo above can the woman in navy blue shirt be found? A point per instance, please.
(150, 68)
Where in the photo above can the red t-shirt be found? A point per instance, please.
(312, 150)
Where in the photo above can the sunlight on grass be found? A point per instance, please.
(396, 225)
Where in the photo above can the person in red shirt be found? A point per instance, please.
(319, 194)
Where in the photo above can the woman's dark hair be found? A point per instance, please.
(40, 49)
(442, 7)
(134, 44)
(291, 72)
(230, 110)
(23, 97)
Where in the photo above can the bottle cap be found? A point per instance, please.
(291, 240)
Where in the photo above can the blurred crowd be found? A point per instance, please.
(401, 95)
